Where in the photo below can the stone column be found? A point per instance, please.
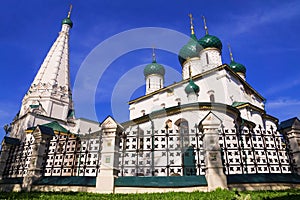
(37, 159)
(109, 168)
(214, 167)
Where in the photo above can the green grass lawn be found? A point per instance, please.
(215, 195)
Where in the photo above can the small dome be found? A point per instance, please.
(237, 67)
(210, 41)
(67, 21)
(154, 68)
(192, 88)
(190, 50)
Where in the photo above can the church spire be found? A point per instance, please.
(52, 82)
(205, 26)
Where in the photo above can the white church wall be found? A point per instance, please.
(209, 59)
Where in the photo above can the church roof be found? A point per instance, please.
(67, 21)
(56, 127)
(12, 141)
(236, 103)
(190, 50)
(154, 68)
(50, 127)
(288, 123)
(46, 130)
(192, 88)
(237, 67)
(210, 41)
(170, 87)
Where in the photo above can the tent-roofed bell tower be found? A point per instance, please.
(49, 96)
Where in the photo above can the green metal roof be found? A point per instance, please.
(160, 181)
(236, 103)
(67, 21)
(192, 88)
(237, 67)
(33, 106)
(210, 41)
(56, 127)
(154, 68)
(67, 181)
(190, 50)
(71, 113)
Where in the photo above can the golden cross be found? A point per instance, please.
(69, 13)
(205, 27)
(230, 53)
(153, 54)
(191, 22)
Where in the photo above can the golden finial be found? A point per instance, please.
(192, 25)
(230, 53)
(205, 27)
(153, 54)
(69, 13)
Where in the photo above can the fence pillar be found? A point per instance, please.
(291, 130)
(42, 136)
(109, 156)
(7, 144)
(214, 167)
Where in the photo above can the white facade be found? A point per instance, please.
(155, 140)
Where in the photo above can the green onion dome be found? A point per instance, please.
(192, 88)
(237, 67)
(190, 50)
(210, 41)
(154, 68)
(67, 21)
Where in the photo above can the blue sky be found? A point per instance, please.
(264, 36)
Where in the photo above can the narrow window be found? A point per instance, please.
(212, 98)
(149, 83)
(207, 61)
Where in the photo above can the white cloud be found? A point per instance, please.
(251, 21)
(283, 102)
(284, 108)
(282, 86)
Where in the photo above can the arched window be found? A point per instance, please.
(149, 83)
(183, 130)
(178, 101)
(169, 124)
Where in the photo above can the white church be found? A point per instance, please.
(211, 123)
